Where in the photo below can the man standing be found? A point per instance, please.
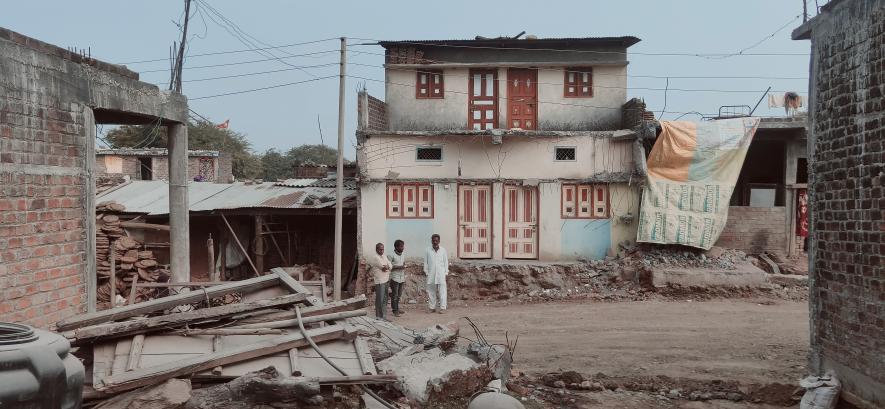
(436, 267)
(379, 268)
(397, 275)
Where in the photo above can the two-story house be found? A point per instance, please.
(509, 149)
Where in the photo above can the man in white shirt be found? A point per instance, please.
(436, 267)
(379, 268)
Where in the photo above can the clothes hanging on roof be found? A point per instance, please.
(790, 101)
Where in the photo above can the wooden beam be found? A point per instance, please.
(240, 245)
(354, 380)
(230, 331)
(349, 304)
(135, 352)
(306, 320)
(133, 286)
(216, 347)
(158, 304)
(159, 373)
(294, 286)
(210, 251)
(162, 322)
(144, 226)
(367, 365)
(259, 243)
(293, 362)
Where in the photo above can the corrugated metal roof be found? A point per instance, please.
(152, 196)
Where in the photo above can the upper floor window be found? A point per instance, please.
(429, 84)
(578, 82)
(428, 153)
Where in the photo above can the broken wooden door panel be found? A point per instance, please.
(520, 222)
(474, 221)
(482, 104)
(522, 98)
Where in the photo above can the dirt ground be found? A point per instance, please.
(743, 340)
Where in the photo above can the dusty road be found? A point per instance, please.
(723, 339)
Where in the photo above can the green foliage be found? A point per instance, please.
(246, 164)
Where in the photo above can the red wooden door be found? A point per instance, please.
(522, 98)
(474, 221)
(520, 222)
(483, 102)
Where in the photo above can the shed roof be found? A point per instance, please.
(151, 197)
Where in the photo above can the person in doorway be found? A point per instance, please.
(379, 268)
(436, 267)
(397, 275)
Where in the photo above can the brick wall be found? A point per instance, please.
(755, 229)
(372, 112)
(847, 195)
(42, 215)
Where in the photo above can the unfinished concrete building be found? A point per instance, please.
(846, 148)
(153, 164)
(50, 103)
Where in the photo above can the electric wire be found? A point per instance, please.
(245, 50)
(257, 73)
(245, 62)
(262, 88)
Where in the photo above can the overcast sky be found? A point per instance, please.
(126, 31)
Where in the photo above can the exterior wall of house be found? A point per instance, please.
(219, 167)
(558, 239)
(847, 196)
(755, 229)
(50, 100)
(555, 111)
(518, 157)
(522, 160)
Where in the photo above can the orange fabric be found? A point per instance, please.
(672, 154)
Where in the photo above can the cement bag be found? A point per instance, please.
(821, 392)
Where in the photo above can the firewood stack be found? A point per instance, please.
(130, 258)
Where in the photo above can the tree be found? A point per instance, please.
(318, 154)
(276, 165)
(201, 135)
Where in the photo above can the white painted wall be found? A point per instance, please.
(559, 239)
(555, 111)
(518, 157)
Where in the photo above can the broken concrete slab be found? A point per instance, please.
(167, 395)
(744, 275)
(432, 372)
(496, 357)
(387, 339)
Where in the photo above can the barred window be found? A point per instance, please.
(565, 153)
(428, 153)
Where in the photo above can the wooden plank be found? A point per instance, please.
(231, 331)
(210, 252)
(295, 286)
(167, 302)
(133, 285)
(102, 361)
(135, 352)
(127, 328)
(367, 365)
(151, 375)
(144, 226)
(356, 379)
(293, 362)
(121, 356)
(216, 347)
(349, 304)
(306, 320)
(240, 245)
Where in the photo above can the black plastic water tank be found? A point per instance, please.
(37, 370)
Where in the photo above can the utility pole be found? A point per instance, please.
(175, 84)
(339, 174)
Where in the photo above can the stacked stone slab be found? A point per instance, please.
(131, 260)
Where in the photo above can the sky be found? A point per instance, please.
(280, 117)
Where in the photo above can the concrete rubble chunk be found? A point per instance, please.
(171, 394)
(432, 372)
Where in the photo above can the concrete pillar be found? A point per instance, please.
(179, 223)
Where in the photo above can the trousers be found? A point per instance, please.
(380, 299)
(396, 291)
(437, 294)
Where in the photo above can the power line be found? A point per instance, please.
(503, 98)
(764, 39)
(245, 50)
(263, 88)
(430, 67)
(257, 73)
(669, 54)
(756, 91)
(246, 62)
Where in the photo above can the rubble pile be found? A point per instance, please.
(570, 386)
(131, 262)
(651, 255)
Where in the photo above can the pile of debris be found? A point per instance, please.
(247, 354)
(122, 261)
(684, 257)
(282, 345)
